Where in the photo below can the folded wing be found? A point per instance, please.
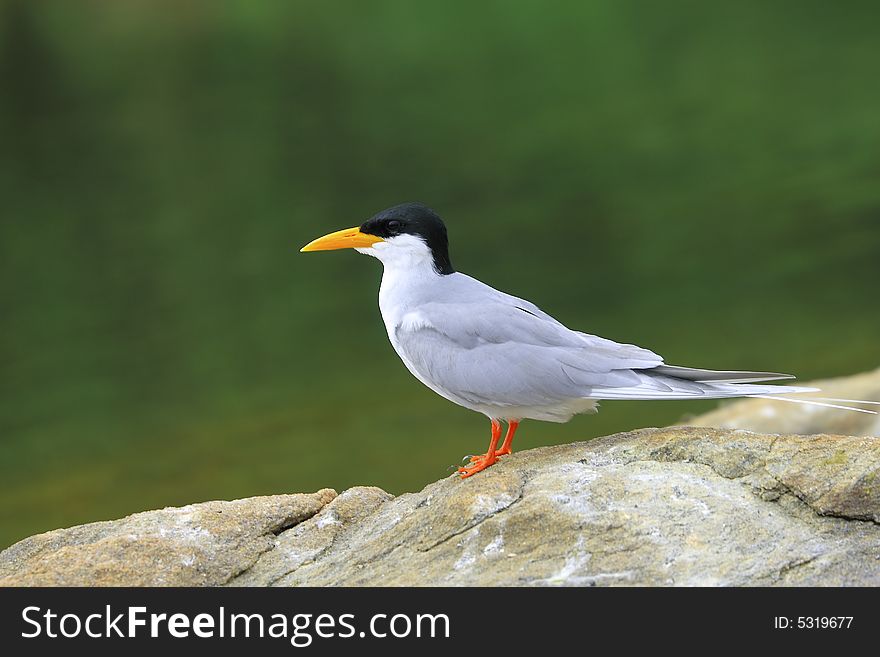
(505, 353)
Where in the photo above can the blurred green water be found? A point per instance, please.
(698, 179)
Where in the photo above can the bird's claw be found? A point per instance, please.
(480, 463)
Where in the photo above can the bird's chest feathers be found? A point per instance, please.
(401, 294)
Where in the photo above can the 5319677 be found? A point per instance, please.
(812, 622)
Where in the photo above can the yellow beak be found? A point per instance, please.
(350, 238)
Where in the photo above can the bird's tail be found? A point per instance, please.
(672, 382)
(824, 402)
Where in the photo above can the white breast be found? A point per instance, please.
(403, 289)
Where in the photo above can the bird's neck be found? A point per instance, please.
(404, 286)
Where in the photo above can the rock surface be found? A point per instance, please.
(197, 545)
(676, 506)
(770, 416)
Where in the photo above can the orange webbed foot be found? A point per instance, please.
(480, 463)
(483, 461)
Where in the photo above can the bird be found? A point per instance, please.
(502, 356)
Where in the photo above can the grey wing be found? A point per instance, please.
(493, 352)
(663, 378)
(718, 376)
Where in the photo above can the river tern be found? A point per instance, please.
(502, 356)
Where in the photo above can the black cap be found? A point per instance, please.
(413, 219)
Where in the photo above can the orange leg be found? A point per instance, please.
(505, 446)
(484, 461)
(508, 439)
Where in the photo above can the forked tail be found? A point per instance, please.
(673, 382)
(824, 402)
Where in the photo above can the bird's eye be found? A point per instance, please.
(393, 225)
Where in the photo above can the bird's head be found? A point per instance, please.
(405, 235)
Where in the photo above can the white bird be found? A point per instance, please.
(502, 356)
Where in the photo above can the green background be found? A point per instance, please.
(702, 179)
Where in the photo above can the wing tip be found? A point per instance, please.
(700, 375)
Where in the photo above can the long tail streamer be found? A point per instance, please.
(824, 404)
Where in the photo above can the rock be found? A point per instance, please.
(197, 545)
(310, 540)
(675, 506)
(768, 416)
(651, 507)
